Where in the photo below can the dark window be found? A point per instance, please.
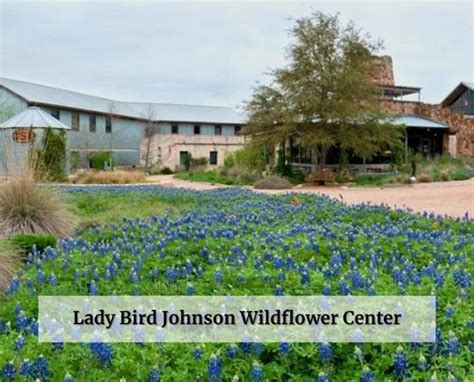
(92, 124)
(237, 130)
(108, 125)
(55, 113)
(197, 129)
(183, 158)
(174, 129)
(218, 130)
(213, 157)
(75, 121)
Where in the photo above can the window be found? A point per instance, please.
(218, 130)
(183, 158)
(174, 129)
(92, 124)
(75, 121)
(197, 129)
(237, 130)
(213, 157)
(108, 125)
(55, 113)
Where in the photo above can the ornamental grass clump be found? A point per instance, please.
(8, 264)
(29, 208)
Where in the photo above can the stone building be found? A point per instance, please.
(455, 113)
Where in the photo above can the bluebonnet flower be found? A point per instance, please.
(453, 346)
(284, 347)
(218, 276)
(39, 368)
(103, 351)
(8, 371)
(154, 375)
(358, 354)
(19, 342)
(256, 374)
(325, 351)
(232, 351)
(367, 375)
(214, 368)
(197, 353)
(190, 290)
(434, 377)
(304, 278)
(322, 377)
(93, 290)
(26, 368)
(278, 290)
(68, 378)
(400, 363)
(449, 312)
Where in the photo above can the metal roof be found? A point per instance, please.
(396, 91)
(456, 92)
(410, 120)
(51, 96)
(33, 117)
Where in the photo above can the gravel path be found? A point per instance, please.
(453, 198)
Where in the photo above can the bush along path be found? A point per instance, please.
(238, 242)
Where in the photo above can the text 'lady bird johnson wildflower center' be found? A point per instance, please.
(237, 319)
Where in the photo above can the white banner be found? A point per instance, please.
(237, 319)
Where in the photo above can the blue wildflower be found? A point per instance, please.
(154, 375)
(256, 374)
(214, 368)
(400, 363)
(367, 375)
(9, 371)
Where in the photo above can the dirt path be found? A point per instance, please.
(451, 198)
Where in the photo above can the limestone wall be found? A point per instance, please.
(461, 126)
(165, 148)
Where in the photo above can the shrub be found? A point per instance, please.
(463, 174)
(198, 162)
(249, 158)
(166, 171)
(8, 264)
(52, 155)
(273, 183)
(97, 161)
(424, 177)
(26, 242)
(27, 208)
(109, 177)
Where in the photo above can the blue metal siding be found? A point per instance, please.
(11, 104)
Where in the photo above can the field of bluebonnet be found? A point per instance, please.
(237, 242)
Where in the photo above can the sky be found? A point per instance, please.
(215, 53)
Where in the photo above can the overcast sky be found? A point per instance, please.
(214, 53)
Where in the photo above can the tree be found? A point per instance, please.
(52, 156)
(325, 96)
(149, 117)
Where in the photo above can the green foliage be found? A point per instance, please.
(198, 162)
(166, 171)
(250, 158)
(283, 166)
(325, 95)
(210, 177)
(97, 160)
(187, 161)
(463, 174)
(52, 155)
(26, 242)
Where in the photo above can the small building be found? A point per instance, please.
(100, 124)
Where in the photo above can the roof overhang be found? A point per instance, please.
(418, 121)
(397, 91)
(35, 118)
